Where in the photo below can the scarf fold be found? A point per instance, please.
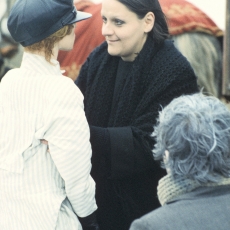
(170, 187)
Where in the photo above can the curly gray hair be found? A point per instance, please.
(195, 129)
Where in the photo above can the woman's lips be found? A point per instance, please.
(112, 41)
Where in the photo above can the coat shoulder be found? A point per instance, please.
(190, 214)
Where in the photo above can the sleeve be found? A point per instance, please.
(68, 137)
(127, 154)
(120, 149)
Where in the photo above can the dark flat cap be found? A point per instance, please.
(31, 21)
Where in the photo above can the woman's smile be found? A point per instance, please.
(112, 40)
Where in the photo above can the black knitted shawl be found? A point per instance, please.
(158, 74)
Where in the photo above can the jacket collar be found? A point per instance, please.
(175, 188)
(38, 64)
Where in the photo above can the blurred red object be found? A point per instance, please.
(183, 17)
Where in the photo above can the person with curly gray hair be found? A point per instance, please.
(193, 143)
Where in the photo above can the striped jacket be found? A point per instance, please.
(38, 189)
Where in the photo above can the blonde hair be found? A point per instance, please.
(48, 43)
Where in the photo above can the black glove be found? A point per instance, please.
(89, 222)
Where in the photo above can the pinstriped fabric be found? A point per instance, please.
(41, 190)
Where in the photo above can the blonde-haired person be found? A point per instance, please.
(41, 189)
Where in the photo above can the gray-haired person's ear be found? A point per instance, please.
(165, 159)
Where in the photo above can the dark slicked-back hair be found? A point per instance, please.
(141, 7)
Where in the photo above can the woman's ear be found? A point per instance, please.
(149, 20)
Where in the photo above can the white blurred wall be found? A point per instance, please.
(2, 7)
(215, 9)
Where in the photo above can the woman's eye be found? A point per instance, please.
(119, 22)
(104, 19)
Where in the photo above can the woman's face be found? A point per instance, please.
(124, 32)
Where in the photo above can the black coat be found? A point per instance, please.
(123, 167)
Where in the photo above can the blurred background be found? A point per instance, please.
(197, 28)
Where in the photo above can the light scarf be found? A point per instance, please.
(170, 187)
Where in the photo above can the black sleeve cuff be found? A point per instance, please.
(99, 138)
(122, 159)
(89, 222)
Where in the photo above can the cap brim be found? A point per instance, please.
(81, 16)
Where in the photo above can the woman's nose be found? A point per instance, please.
(107, 29)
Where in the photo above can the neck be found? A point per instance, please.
(42, 53)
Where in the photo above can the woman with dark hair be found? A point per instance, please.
(192, 141)
(125, 82)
